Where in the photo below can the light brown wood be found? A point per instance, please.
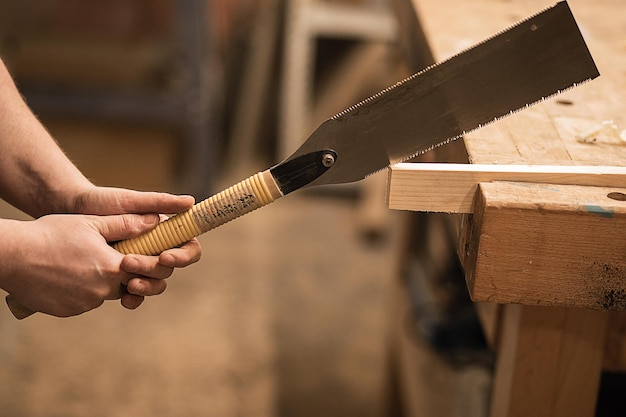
(450, 188)
(554, 245)
(552, 133)
(562, 347)
(547, 133)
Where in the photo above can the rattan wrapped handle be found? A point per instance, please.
(242, 198)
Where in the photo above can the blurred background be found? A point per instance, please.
(325, 303)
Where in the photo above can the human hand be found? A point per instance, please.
(63, 265)
(149, 271)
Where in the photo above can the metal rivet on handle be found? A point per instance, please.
(328, 160)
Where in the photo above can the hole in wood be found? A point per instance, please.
(617, 196)
(565, 102)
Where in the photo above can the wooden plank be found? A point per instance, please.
(546, 133)
(548, 362)
(553, 245)
(450, 188)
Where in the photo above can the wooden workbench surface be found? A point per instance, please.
(549, 257)
(583, 126)
(550, 130)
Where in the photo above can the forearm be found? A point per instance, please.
(35, 175)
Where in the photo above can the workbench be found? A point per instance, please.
(544, 261)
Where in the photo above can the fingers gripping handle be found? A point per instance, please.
(242, 198)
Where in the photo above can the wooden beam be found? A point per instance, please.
(552, 245)
(450, 188)
(549, 362)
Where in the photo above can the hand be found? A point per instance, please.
(63, 265)
(149, 271)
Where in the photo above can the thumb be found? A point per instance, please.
(126, 226)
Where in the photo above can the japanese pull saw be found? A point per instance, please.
(525, 64)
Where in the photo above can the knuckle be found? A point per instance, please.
(130, 223)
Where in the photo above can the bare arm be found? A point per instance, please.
(63, 265)
(35, 175)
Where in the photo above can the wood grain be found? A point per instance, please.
(548, 244)
(539, 343)
(562, 347)
(450, 188)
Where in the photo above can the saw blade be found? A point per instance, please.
(536, 58)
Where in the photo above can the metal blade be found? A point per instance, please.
(535, 59)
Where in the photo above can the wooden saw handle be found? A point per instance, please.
(242, 198)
